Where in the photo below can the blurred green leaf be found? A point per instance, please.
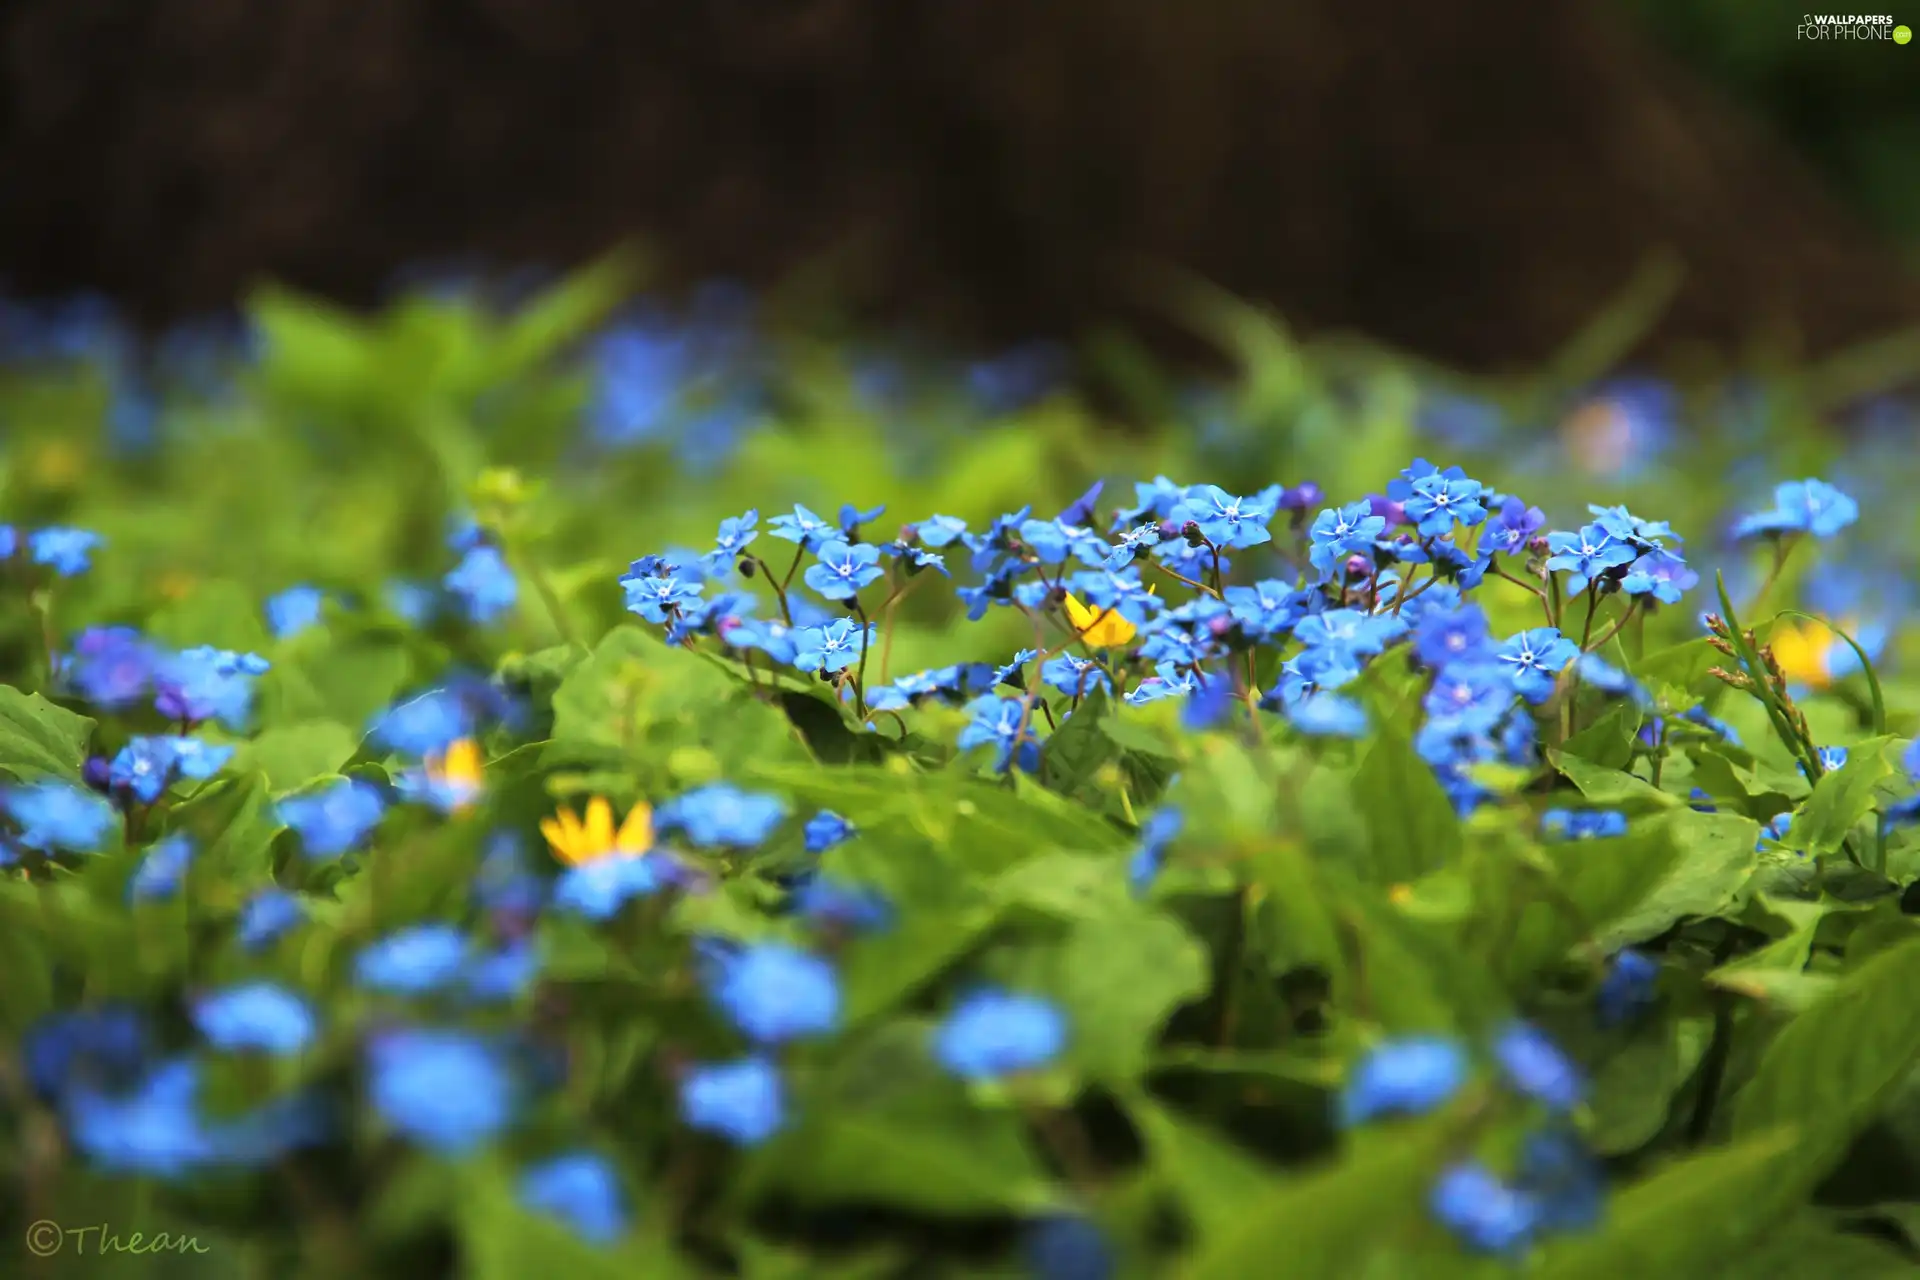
(39, 739)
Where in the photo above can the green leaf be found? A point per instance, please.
(501, 1240)
(293, 755)
(1214, 1179)
(1810, 1246)
(1612, 787)
(1411, 825)
(1119, 978)
(1608, 741)
(1330, 1222)
(39, 739)
(1671, 867)
(1683, 1221)
(232, 821)
(1842, 798)
(1073, 755)
(888, 1127)
(1831, 1069)
(881, 970)
(1632, 1093)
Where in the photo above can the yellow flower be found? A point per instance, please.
(1804, 652)
(1102, 629)
(575, 842)
(457, 774)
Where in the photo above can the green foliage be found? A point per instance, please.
(1221, 984)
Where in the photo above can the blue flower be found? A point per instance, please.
(659, 597)
(446, 1090)
(1485, 1213)
(1514, 527)
(1660, 574)
(162, 869)
(266, 916)
(580, 1189)
(146, 766)
(1328, 715)
(1410, 1076)
(997, 721)
(1074, 675)
(774, 993)
(107, 1047)
(111, 667)
(1533, 659)
(156, 1129)
(802, 526)
(1457, 636)
(826, 902)
(424, 725)
(335, 818)
(1158, 833)
(940, 531)
(256, 1016)
(66, 551)
(1265, 609)
(1628, 989)
(736, 532)
(722, 814)
(826, 829)
(1337, 533)
(1225, 520)
(991, 1034)
(1535, 1066)
(205, 683)
(597, 890)
(505, 974)
(54, 816)
(1566, 1183)
(1776, 829)
(1583, 824)
(413, 603)
(1609, 679)
(294, 610)
(743, 1102)
(1349, 632)
(1802, 506)
(1437, 502)
(413, 961)
(1586, 555)
(844, 569)
(833, 647)
(484, 584)
(1469, 698)
(1066, 1247)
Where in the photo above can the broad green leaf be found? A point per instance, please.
(1608, 741)
(1214, 1179)
(1410, 822)
(1842, 798)
(1075, 753)
(290, 756)
(1328, 1223)
(1832, 1067)
(1119, 977)
(1684, 1220)
(1632, 1090)
(1808, 1246)
(1611, 787)
(883, 969)
(39, 739)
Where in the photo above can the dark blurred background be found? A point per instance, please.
(1470, 180)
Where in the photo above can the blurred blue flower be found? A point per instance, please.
(294, 610)
(830, 904)
(259, 1016)
(722, 814)
(505, 974)
(1801, 506)
(1565, 1182)
(597, 890)
(1066, 1247)
(106, 1047)
(1328, 715)
(483, 583)
(1458, 635)
(1409, 1076)
(1156, 835)
(449, 1091)
(413, 603)
(146, 766)
(580, 1189)
(162, 869)
(826, 829)
(415, 960)
(424, 725)
(54, 816)
(111, 667)
(743, 1102)
(1485, 1213)
(335, 818)
(206, 683)
(1536, 1067)
(992, 1033)
(1583, 824)
(67, 552)
(268, 915)
(774, 993)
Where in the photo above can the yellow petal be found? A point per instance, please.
(1105, 629)
(1802, 653)
(636, 833)
(558, 837)
(598, 833)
